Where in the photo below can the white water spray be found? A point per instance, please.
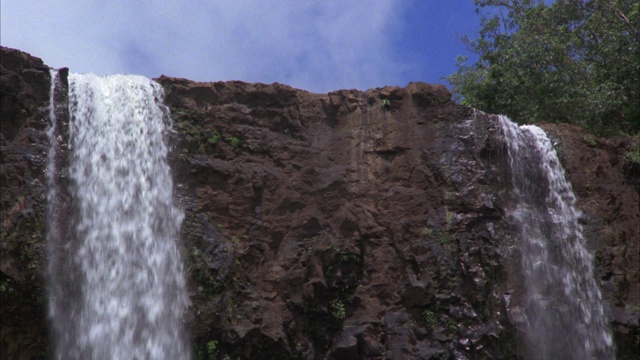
(563, 304)
(125, 288)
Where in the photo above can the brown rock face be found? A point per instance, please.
(24, 100)
(343, 225)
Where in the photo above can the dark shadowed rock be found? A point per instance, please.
(24, 98)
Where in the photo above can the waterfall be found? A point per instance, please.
(116, 280)
(563, 305)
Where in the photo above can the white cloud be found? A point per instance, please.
(315, 45)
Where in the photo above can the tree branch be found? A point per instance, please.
(622, 17)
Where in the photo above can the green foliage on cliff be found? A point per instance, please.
(574, 61)
(234, 141)
(385, 104)
(632, 156)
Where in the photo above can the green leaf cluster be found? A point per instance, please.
(234, 142)
(385, 103)
(573, 61)
(337, 310)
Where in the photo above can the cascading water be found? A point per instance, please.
(563, 304)
(120, 291)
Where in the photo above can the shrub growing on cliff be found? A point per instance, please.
(336, 308)
(385, 104)
(429, 318)
(234, 141)
(574, 61)
(632, 156)
(214, 138)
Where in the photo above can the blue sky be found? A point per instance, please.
(318, 46)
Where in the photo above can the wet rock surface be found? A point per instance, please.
(331, 225)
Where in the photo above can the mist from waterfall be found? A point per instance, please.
(562, 302)
(116, 282)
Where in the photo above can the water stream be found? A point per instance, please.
(117, 285)
(563, 305)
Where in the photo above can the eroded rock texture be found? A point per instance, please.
(331, 225)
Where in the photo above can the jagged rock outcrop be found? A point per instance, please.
(330, 225)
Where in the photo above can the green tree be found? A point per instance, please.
(571, 61)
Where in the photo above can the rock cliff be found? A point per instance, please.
(343, 225)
